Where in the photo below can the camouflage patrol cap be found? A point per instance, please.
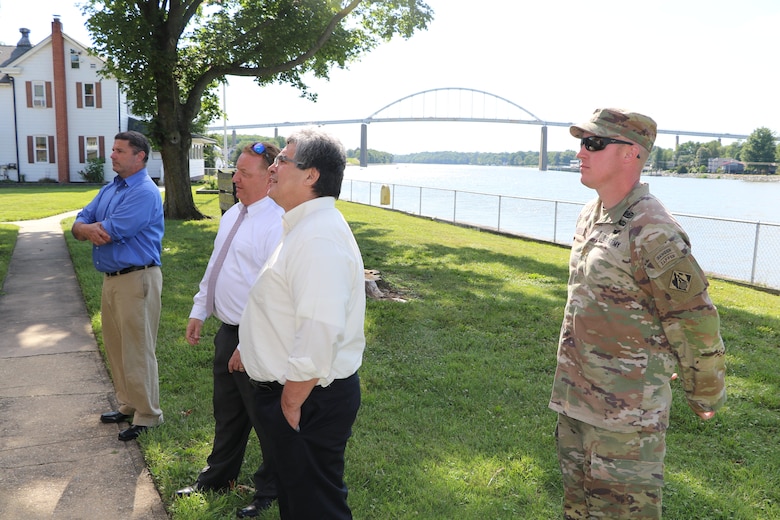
(615, 122)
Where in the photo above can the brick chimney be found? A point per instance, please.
(60, 101)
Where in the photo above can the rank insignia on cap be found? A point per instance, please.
(680, 281)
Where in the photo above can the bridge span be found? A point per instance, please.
(453, 104)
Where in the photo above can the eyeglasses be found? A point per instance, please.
(595, 143)
(260, 149)
(284, 159)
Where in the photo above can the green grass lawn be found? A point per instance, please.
(454, 422)
(34, 202)
(8, 234)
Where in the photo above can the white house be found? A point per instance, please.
(56, 112)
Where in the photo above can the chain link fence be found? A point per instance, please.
(740, 250)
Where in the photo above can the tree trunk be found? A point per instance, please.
(173, 133)
(179, 204)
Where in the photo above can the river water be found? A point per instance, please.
(734, 224)
(712, 197)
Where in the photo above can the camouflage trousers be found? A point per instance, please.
(609, 474)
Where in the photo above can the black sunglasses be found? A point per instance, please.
(595, 143)
(260, 149)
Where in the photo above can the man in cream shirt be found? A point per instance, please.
(301, 334)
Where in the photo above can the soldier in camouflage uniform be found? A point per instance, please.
(637, 312)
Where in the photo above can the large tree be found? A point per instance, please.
(170, 56)
(759, 148)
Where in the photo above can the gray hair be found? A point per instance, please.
(317, 149)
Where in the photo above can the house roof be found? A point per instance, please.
(13, 55)
(5, 53)
(22, 46)
(202, 139)
(9, 54)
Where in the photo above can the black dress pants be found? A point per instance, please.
(234, 416)
(310, 462)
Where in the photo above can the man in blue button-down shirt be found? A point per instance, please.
(125, 224)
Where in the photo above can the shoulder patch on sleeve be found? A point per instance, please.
(680, 281)
(674, 272)
(665, 256)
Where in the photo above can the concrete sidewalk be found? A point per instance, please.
(56, 458)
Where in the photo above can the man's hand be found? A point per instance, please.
(192, 335)
(293, 397)
(93, 232)
(705, 416)
(234, 363)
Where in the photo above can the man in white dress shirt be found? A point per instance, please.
(301, 333)
(255, 238)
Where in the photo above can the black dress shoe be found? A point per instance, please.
(114, 417)
(131, 433)
(187, 491)
(255, 508)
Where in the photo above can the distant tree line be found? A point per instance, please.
(373, 156)
(759, 153)
(487, 158)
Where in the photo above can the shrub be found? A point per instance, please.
(94, 170)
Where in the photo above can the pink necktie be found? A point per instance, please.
(217, 267)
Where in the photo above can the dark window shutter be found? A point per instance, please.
(28, 89)
(82, 158)
(79, 96)
(49, 99)
(51, 149)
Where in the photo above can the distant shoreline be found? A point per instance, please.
(748, 177)
(732, 176)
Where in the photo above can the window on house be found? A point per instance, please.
(91, 147)
(89, 95)
(39, 94)
(74, 60)
(41, 149)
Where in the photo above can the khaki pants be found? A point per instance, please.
(609, 474)
(130, 310)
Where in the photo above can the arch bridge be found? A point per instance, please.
(456, 105)
(453, 104)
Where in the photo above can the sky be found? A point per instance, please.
(693, 65)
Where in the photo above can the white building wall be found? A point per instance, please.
(36, 65)
(89, 121)
(112, 117)
(7, 147)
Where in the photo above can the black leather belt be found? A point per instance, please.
(131, 269)
(267, 386)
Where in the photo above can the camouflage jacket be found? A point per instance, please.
(637, 311)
